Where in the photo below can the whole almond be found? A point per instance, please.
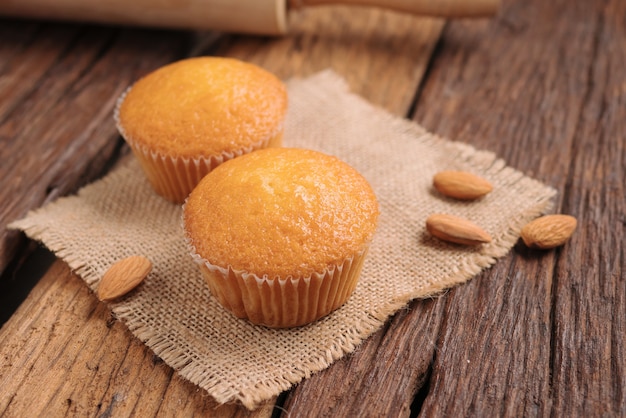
(455, 229)
(461, 185)
(548, 231)
(123, 276)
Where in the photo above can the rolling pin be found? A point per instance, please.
(262, 17)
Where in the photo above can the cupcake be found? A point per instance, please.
(280, 234)
(186, 118)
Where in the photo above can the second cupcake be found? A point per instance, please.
(186, 118)
(281, 234)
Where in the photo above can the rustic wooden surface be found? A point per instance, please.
(540, 333)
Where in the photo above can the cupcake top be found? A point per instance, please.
(281, 212)
(203, 106)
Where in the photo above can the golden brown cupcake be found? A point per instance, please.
(280, 234)
(186, 118)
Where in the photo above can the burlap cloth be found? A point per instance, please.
(173, 313)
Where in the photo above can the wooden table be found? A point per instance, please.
(541, 333)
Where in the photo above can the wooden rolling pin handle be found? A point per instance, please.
(268, 17)
(246, 16)
(435, 8)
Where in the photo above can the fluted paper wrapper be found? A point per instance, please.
(173, 311)
(283, 302)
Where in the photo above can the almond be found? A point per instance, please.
(461, 185)
(123, 276)
(548, 231)
(455, 229)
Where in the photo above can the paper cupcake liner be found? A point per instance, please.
(174, 177)
(283, 303)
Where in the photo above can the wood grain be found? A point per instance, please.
(589, 356)
(381, 378)
(541, 333)
(63, 354)
(58, 87)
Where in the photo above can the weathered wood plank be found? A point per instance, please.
(64, 355)
(589, 358)
(541, 333)
(381, 378)
(58, 87)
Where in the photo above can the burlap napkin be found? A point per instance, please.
(173, 311)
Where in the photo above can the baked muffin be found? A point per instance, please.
(280, 234)
(184, 119)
